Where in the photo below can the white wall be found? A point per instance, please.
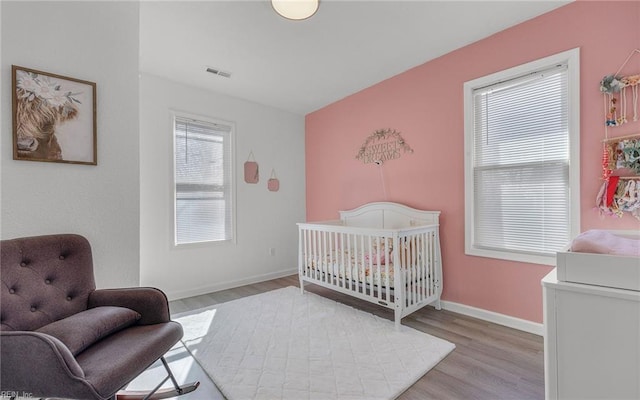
(98, 42)
(264, 219)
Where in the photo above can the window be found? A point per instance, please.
(522, 160)
(203, 180)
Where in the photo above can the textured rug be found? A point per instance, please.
(287, 345)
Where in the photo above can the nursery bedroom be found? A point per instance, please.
(319, 200)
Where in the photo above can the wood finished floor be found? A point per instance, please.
(490, 361)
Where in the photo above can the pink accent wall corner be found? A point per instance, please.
(426, 105)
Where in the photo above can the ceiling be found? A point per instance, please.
(302, 66)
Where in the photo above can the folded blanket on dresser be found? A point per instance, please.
(604, 242)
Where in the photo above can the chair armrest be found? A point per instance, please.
(150, 303)
(40, 364)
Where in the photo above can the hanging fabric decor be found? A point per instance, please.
(251, 171)
(273, 184)
(620, 191)
(619, 195)
(620, 93)
(382, 145)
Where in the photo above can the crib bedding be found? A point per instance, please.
(363, 275)
(353, 265)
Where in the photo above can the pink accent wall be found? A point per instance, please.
(426, 105)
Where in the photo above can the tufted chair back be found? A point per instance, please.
(44, 279)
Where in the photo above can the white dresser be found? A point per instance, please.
(591, 342)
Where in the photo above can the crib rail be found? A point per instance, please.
(398, 269)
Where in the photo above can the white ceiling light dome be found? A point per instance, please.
(295, 9)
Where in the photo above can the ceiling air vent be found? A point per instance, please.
(219, 72)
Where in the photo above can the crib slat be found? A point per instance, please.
(418, 284)
(350, 268)
(319, 255)
(370, 262)
(412, 263)
(312, 254)
(388, 264)
(428, 262)
(410, 272)
(432, 261)
(317, 251)
(316, 254)
(414, 272)
(329, 254)
(365, 279)
(306, 255)
(337, 265)
(354, 261)
(322, 256)
(377, 278)
(325, 258)
(338, 247)
(420, 267)
(334, 268)
(359, 239)
(424, 266)
(330, 258)
(407, 250)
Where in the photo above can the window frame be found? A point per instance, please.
(572, 59)
(232, 179)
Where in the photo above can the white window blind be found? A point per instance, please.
(521, 191)
(203, 195)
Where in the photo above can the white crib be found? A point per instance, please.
(385, 253)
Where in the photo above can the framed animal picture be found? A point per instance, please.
(54, 117)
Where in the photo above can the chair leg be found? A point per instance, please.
(157, 393)
(170, 375)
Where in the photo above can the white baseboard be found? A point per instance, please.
(229, 284)
(485, 315)
(496, 318)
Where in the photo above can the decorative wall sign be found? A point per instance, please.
(54, 117)
(251, 170)
(382, 145)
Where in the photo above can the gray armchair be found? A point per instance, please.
(60, 337)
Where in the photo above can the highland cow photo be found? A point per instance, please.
(54, 118)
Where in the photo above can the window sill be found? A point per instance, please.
(512, 256)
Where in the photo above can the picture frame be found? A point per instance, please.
(54, 117)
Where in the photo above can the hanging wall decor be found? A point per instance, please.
(620, 93)
(54, 117)
(273, 184)
(620, 191)
(382, 145)
(251, 171)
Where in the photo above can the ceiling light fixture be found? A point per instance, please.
(295, 9)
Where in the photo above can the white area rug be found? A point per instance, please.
(286, 345)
